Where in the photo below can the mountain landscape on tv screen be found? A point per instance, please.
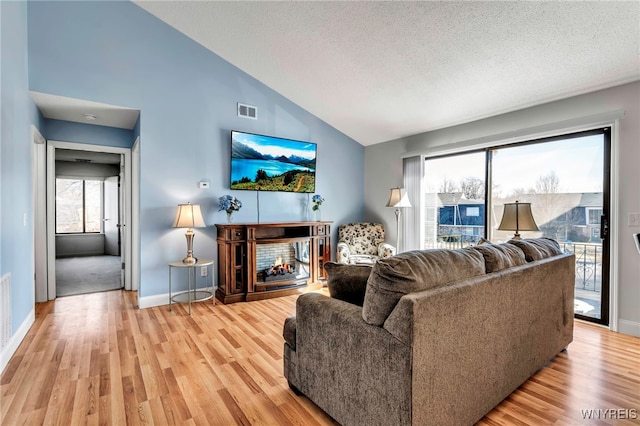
(263, 171)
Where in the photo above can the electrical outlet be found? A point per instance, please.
(204, 271)
(634, 219)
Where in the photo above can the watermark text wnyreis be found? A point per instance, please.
(609, 414)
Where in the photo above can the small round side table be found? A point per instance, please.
(192, 295)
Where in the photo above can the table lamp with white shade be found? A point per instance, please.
(189, 216)
(517, 217)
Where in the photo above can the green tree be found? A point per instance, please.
(261, 175)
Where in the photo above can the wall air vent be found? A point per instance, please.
(247, 111)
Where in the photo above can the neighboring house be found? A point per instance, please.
(460, 219)
(562, 216)
(582, 222)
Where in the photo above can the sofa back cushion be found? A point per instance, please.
(500, 256)
(393, 277)
(538, 248)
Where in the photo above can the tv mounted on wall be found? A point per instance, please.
(267, 163)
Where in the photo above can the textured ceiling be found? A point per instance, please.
(378, 71)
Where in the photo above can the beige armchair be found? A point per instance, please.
(360, 243)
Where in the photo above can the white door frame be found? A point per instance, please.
(130, 258)
(39, 177)
(134, 204)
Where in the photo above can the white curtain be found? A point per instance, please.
(412, 228)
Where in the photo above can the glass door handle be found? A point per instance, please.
(604, 226)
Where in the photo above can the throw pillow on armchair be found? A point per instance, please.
(347, 282)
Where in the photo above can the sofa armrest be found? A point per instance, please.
(386, 250)
(342, 358)
(343, 253)
(289, 332)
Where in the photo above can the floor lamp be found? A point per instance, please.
(398, 199)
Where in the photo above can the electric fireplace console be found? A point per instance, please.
(264, 260)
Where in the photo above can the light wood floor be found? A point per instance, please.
(96, 359)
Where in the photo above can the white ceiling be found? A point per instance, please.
(71, 109)
(379, 71)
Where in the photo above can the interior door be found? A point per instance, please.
(111, 216)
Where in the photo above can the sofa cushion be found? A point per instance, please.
(500, 256)
(537, 248)
(362, 259)
(347, 282)
(393, 277)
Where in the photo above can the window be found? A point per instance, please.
(454, 200)
(78, 206)
(593, 216)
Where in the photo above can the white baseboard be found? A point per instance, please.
(16, 339)
(151, 301)
(629, 327)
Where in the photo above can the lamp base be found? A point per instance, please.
(189, 260)
(398, 213)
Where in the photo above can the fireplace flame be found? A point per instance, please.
(279, 268)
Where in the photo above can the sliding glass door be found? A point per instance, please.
(566, 181)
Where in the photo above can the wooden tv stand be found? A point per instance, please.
(246, 250)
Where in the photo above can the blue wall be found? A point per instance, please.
(117, 53)
(17, 114)
(67, 131)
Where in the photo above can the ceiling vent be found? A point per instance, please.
(247, 111)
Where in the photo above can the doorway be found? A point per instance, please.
(87, 207)
(88, 218)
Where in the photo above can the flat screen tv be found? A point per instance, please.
(267, 163)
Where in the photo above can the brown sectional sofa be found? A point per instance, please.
(442, 336)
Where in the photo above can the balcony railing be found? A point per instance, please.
(588, 264)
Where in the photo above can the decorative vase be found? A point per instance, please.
(317, 214)
(229, 217)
